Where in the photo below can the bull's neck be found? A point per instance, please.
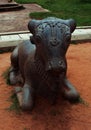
(38, 59)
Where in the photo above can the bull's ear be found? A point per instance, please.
(32, 25)
(72, 24)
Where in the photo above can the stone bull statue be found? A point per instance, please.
(41, 61)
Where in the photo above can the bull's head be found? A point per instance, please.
(52, 37)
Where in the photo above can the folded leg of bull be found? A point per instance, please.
(69, 91)
(27, 97)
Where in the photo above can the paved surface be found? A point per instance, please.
(9, 40)
(17, 20)
(82, 34)
(4, 2)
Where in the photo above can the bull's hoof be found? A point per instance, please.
(71, 96)
(27, 106)
(27, 100)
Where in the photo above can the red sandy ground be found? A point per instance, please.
(62, 116)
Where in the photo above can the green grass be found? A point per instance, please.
(5, 75)
(82, 101)
(14, 104)
(13, 98)
(80, 10)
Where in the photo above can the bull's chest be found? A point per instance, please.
(43, 78)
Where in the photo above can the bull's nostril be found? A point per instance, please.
(49, 66)
(60, 63)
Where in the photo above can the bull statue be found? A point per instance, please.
(41, 61)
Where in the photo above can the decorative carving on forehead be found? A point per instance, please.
(63, 27)
(52, 25)
(42, 27)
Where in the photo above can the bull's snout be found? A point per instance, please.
(56, 65)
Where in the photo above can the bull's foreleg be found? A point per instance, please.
(14, 70)
(27, 97)
(14, 73)
(69, 91)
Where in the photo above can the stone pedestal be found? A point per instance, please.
(9, 5)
